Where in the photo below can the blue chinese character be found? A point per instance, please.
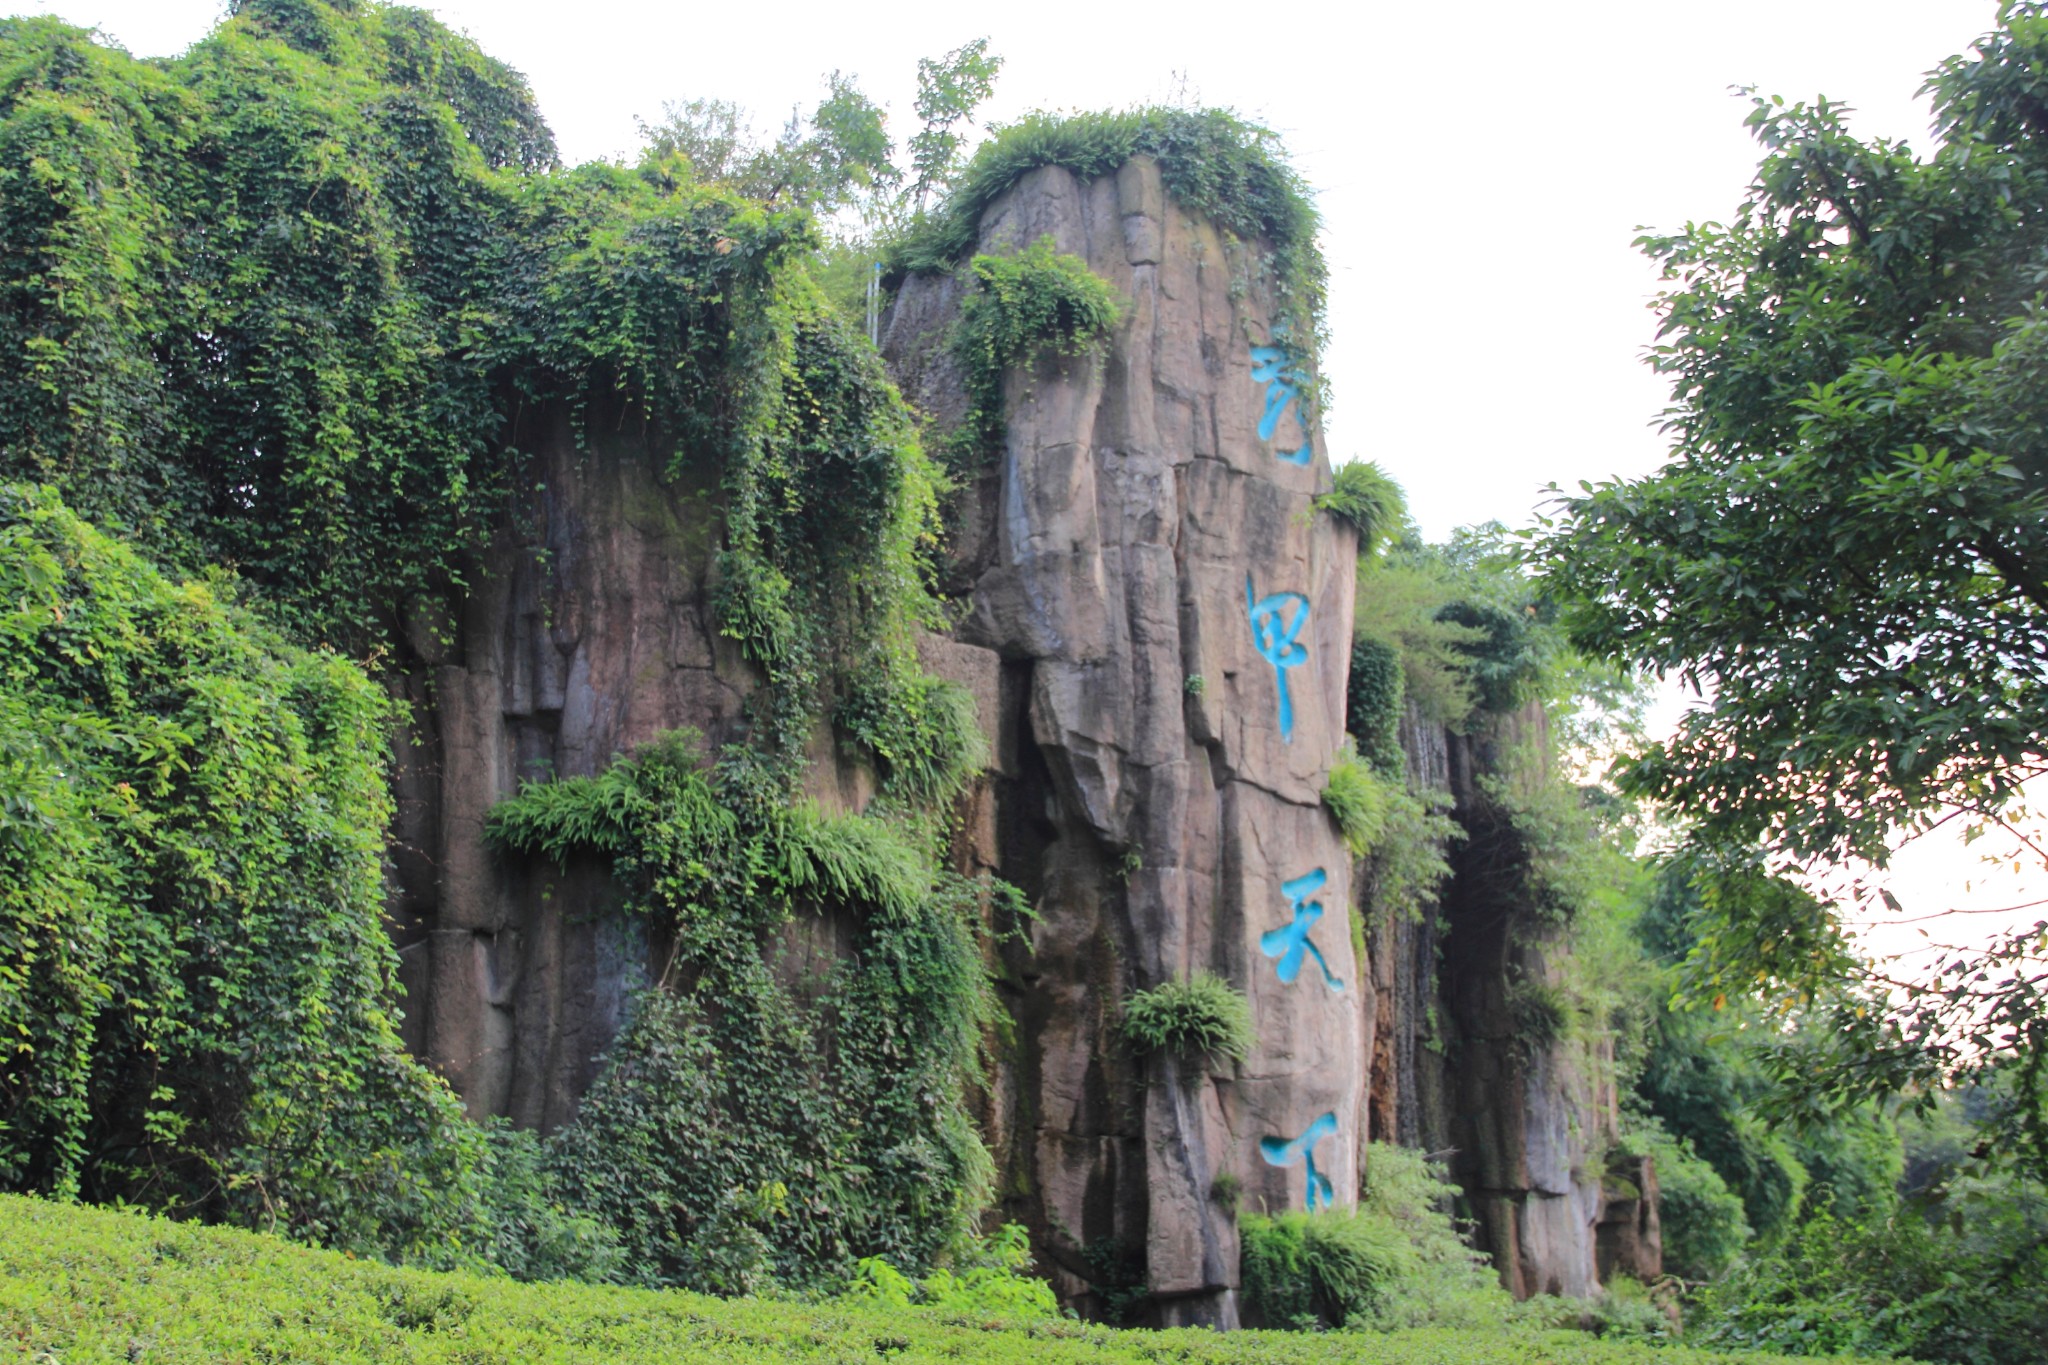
(1274, 635)
(1279, 1153)
(1291, 944)
(1270, 367)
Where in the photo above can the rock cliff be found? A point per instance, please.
(587, 629)
(1156, 629)
(1462, 1062)
(1173, 620)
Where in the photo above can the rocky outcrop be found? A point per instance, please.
(1173, 618)
(1461, 1064)
(1156, 632)
(586, 629)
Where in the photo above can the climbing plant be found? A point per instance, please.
(1024, 305)
(752, 1126)
(276, 305)
(194, 975)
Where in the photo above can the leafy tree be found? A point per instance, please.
(844, 152)
(949, 90)
(1848, 553)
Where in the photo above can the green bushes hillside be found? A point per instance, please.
(84, 1285)
(194, 975)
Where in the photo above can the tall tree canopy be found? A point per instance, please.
(1848, 552)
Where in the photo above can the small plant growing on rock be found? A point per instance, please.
(1204, 1015)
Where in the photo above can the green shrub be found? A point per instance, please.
(1446, 1283)
(534, 1234)
(1542, 1015)
(993, 1279)
(1968, 1286)
(1276, 1288)
(194, 973)
(1331, 1268)
(1372, 713)
(1359, 798)
(923, 734)
(1204, 1015)
(1396, 1260)
(1369, 502)
(1408, 862)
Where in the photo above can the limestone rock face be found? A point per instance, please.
(1174, 622)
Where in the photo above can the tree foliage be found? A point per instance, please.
(1848, 553)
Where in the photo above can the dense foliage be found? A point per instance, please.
(97, 1285)
(1028, 304)
(1968, 1285)
(242, 291)
(194, 974)
(1396, 1260)
(276, 302)
(750, 1128)
(1848, 554)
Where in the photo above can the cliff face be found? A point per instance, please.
(1157, 632)
(1173, 619)
(1462, 1063)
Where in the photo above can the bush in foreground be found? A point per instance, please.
(86, 1285)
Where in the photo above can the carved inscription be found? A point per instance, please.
(1285, 1152)
(1290, 943)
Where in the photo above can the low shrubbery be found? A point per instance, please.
(1963, 1280)
(86, 1285)
(1396, 1260)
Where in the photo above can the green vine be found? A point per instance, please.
(1032, 303)
(194, 975)
(747, 1130)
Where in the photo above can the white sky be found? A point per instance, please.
(1482, 170)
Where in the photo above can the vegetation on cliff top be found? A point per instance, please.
(278, 300)
(1215, 164)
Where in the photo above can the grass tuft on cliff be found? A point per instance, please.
(82, 1285)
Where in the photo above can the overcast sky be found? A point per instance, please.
(1482, 170)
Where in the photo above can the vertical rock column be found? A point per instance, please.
(1175, 622)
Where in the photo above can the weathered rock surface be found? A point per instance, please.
(1118, 560)
(1528, 1121)
(586, 630)
(1156, 796)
